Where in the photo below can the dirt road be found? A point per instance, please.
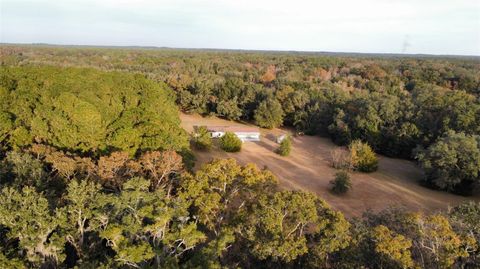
(308, 168)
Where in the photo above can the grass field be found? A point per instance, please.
(308, 168)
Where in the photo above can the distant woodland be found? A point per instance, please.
(96, 172)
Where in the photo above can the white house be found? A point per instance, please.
(244, 133)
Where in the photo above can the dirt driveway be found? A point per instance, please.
(308, 168)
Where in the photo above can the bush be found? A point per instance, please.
(202, 139)
(285, 146)
(362, 156)
(341, 184)
(230, 142)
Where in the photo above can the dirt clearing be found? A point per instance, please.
(308, 168)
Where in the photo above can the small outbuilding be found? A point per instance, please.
(243, 133)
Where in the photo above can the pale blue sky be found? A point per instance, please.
(426, 26)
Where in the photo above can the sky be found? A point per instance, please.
(370, 26)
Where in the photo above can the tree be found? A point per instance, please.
(111, 169)
(394, 247)
(6, 124)
(269, 75)
(362, 157)
(331, 234)
(84, 201)
(218, 190)
(439, 110)
(160, 167)
(269, 114)
(230, 142)
(210, 255)
(64, 165)
(341, 184)
(27, 215)
(229, 109)
(452, 162)
(285, 146)
(465, 220)
(339, 129)
(438, 240)
(202, 139)
(276, 226)
(135, 214)
(24, 170)
(63, 107)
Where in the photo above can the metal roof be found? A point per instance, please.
(233, 129)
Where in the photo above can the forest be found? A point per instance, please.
(96, 172)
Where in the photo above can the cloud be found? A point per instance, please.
(434, 26)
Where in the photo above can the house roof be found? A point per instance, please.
(233, 129)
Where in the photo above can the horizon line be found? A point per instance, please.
(399, 54)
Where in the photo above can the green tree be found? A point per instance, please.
(438, 240)
(362, 157)
(339, 129)
(330, 235)
(219, 189)
(27, 215)
(24, 170)
(230, 142)
(6, 125)
(465, 220)
(229, 109)
(277, 225)
(452, 162)
(210, 255)
(202, 139)
(269, 114)
(84, 202)
(137, 213)
(394, 247)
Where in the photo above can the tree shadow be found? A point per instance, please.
(271, 137)
(264, 145)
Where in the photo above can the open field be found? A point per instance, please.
(308, 168)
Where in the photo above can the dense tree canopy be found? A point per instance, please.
(95, 170)
(87, 110)
(392, 103)
(223, 215)
(452, 162)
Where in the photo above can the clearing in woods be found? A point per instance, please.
(308, 168)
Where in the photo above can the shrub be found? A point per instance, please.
(340, 159)
(230, 142)
(341, 184)
(202, 139)
(362, 156)
(285, 146)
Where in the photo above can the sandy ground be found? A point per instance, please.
(308, 168)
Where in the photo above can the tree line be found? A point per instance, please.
(59, 210)
(399, 106)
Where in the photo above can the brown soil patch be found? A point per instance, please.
(308, 168)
